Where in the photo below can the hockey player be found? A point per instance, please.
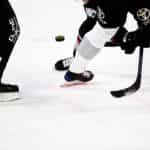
(9, 32)
(86, 26)
(110, 18)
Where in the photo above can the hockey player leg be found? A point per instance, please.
(87, 50)
(10, 31)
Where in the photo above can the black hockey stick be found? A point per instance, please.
(111, 44)
(136, 85)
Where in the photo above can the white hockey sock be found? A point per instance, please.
(78, 64)
(89, 47)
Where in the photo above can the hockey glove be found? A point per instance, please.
(133, 39)
(129, 42)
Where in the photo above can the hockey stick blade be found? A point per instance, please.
(136, 85)
(127, 91)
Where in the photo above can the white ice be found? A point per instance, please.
(77, 118)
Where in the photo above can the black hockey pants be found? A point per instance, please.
(9, 32)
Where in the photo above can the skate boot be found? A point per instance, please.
(8, 92)
(81, 77)
(63, 64)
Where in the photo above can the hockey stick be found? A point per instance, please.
(110, 44)
(136, 85)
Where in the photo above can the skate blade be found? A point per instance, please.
(9, 97)
(72, 84)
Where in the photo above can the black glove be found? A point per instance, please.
(129, 42)
(133, 39)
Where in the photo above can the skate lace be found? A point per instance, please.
(67, 61)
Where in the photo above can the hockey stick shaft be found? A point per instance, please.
(110, 44)
(140, 65)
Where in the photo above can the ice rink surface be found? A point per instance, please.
(49, 117)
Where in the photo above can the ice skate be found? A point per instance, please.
(63, 64)
(80, 78)
(74, 79)
(8, 92)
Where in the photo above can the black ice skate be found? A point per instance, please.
(82, 77)
(63, 64)
(8, 92)
(74, 79)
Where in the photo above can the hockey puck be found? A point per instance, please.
(59, 38)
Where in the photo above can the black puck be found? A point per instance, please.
(59, 38)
